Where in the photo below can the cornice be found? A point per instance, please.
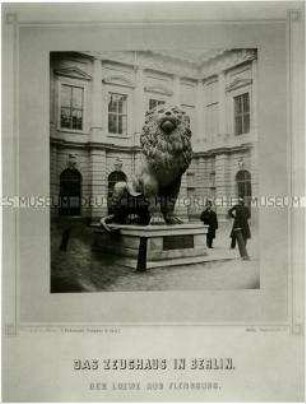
(73, 72)
(108, 62)
(223, 150)
(159, 89)
(61, 144)
(228, 60)
(118, 80)
(192, 82)
(238, 83)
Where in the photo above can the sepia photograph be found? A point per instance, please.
(153, 198)
(153, 170)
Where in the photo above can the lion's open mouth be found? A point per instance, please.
(168, 125)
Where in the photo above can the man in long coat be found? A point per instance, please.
(241, 214)
(209, 217)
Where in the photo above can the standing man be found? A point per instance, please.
(241, 214)
(209, 217)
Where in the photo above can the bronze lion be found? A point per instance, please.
(166, 155)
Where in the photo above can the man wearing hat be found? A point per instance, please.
(241, 214)
(209, 217)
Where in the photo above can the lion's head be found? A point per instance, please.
(165, 140)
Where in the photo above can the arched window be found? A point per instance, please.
(70, 192)
(113, 178)
(244, 187)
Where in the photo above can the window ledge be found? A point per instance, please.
(242, 134)
(119, 136)
(72, 131)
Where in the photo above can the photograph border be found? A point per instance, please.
(14, 20)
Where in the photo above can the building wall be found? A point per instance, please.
(207, 93)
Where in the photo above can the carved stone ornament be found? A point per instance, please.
(118, 164)
(159, 90)
(118, 81)
(73, 72)
(72, 161)
(238, 83)
(241, 163)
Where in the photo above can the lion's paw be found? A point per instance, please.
(155, 220)
(173, 220)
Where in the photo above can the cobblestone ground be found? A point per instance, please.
(79, 269)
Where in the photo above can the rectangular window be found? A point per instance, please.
(154, 103)
(242, 114)
(117, 114)
(72, 107)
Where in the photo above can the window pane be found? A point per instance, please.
(65, 96)
(77, 119)
(117, 103)
(120, 105)
(238, 125)
(65, 117)
(154, 103)
(238, 106)
(119, 124)
(77, 99)
(72, 99)
(124, 125)
(246, 103)
(242, 114)
(112, 103)
(246, 125)
(117, 113)
(112, 123)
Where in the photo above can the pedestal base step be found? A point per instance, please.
(132, 263)
(145, 247)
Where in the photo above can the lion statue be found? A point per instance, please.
(166, 155)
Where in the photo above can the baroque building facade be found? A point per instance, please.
(97, 109)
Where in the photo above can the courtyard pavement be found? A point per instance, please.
(80, 269)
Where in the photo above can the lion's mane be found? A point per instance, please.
(168, 154)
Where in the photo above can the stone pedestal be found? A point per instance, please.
(154, 246)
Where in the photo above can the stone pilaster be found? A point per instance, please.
(104, 107)
(203, 178)
(98, 183)
(222, 181)
(222, 106)
(204, 102)
(254, 115)
(233, 169)
(96, 126)
(199, 135)
(140, 104)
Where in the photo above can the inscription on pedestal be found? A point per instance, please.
(177, 242)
